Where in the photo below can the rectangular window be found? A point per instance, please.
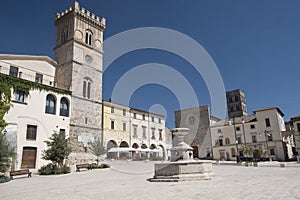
(144, 132)
(13, 71)
(38, 78)
(254, 139)
(159, 120)
(86, 120)
(134, 115)
(237, 128)
(20, 96)
(144, 117)
(134, 131)
(112, 124)
(31, 132)
(272, 152)
(219, 130)
(112, 109)
(267, 121)
(153, 133)
(124, 112)
(152, 119)
(160, 134)
(124, 126)
(252, 126)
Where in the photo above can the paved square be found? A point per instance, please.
(127, 180)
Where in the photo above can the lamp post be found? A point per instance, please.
(267, 134)
(236, 143)
(245, 143)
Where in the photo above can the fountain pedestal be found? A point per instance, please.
(182, 166)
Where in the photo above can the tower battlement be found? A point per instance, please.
(83, 13)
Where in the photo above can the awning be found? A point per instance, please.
(127, 149)
(121, 149)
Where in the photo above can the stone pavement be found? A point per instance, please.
(127, 180)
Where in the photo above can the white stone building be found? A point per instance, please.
(262, 132)
(149, 134)
(34, 117)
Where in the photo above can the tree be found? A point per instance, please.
(248, 151)
(6, 153)
(97, 149)
(58, 149)
(5, 97)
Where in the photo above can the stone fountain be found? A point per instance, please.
(182, 166)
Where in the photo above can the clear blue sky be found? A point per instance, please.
(255, 44)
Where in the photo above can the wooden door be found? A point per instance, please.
(29, 157)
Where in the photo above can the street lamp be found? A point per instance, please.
(245, 143)
(236, 142)
(268, 134)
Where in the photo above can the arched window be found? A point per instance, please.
(87, 84)
(88, 37)
(64, 107)
(227, 141)
(50, 104)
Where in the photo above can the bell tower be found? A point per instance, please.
(79, 53)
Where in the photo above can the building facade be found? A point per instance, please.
(148, 133)
(198, 120)
(258, 136)
(130, 133)
(116, 128)
(36, 115)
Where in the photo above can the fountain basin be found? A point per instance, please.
(182, 171)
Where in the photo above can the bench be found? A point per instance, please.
(20, 172)
(81, 166)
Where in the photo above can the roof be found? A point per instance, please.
(270, 108)
(296, 118)
(27, 57)
(237, 120)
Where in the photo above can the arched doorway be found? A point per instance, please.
(126, 154)
(135, 145)
(144, 153)
(134, 153)
(124, 144)
(111, 144)
(153, 152)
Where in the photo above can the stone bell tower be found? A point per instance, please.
(79, 53)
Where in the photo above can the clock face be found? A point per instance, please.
(88, 59)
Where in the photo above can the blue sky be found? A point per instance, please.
(255, 44)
